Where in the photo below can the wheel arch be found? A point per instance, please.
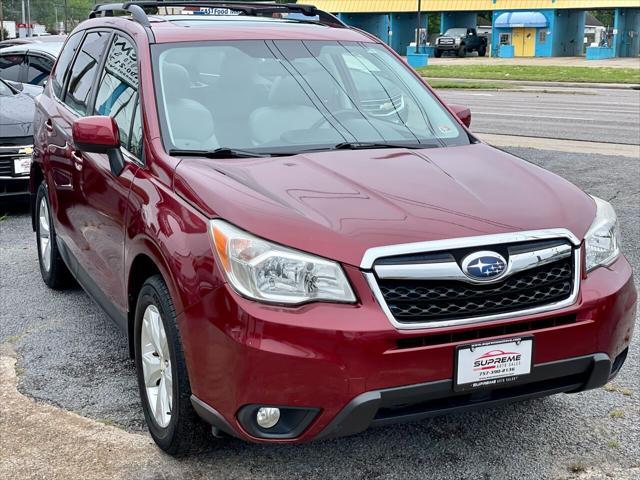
(145, 264)
(35, 179)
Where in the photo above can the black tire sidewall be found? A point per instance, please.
(149, 295)
(48, 277)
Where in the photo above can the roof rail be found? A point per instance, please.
(136, 9)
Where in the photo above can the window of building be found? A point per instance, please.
(542, 36)
(505, 39)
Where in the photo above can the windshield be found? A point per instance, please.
(456, 32)
(290, 96)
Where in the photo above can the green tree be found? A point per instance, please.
(605, 16)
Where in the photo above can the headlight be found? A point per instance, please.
(602, 241)
(457, 41)
(268, 272)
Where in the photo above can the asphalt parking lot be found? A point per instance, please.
(71, 356)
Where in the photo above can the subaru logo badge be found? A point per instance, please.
(484, 266)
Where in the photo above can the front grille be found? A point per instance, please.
(6, 166)
(432, 300)
(446, 41)
(8, 153)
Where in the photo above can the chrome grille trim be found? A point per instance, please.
(451, 270)
(524, 263)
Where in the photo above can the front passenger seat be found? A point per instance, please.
(190, 124)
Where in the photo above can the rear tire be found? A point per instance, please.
(482, 51)
(462, 51)
(437, 53)
(54, 271)
(163, 380)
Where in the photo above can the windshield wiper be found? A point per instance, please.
(365, 145)
(221, 152)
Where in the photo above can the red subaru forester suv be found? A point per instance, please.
(300, 239)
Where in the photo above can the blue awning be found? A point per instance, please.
(520, 19)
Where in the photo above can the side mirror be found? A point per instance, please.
(462, 112)
(99, 134)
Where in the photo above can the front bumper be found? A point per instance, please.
(14, 187)
(349, 365)
(448, 46)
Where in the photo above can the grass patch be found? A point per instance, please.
(471, 85)
(546, 73)
(3, 217)
(613, 444)
(616, 414)
(106, 421)
(609, 387)
(577, 467)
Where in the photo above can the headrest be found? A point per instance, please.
(175, 81)
(286, 91)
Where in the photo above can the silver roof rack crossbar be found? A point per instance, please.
(138, 14)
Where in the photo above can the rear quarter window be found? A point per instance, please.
(66, 55)
(84, 71)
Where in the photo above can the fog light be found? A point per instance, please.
(267, 417)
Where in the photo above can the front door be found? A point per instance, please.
(524, 42)
(103, 202)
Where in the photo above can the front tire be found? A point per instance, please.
(162, 373)
(462, 51)
(437, 53)
(54, 271)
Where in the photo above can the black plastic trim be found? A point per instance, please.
(417, 402)
(212, 416)
(91, 287)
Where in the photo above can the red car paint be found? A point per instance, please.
(333, 204)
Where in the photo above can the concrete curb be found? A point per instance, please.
(570, 146)
(526, 83)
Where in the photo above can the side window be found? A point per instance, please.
(57, 78)
(84, 71)
(39, 69)
(11, 66)
(118, 92)
(136, 133)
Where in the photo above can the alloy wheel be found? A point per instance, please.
(44, 235)
(156, 366)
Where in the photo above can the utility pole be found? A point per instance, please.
(66, 17)
(1, 23)
(418, 29)
(29, 29)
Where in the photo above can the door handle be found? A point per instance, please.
(76, 156)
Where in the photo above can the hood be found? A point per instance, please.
(16, 114)
(338, 204)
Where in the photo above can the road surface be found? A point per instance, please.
(590, 115)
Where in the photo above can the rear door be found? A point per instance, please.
(72, 90)
(103, 198)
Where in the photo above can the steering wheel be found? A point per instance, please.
(344, 114)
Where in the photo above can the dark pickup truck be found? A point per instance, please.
(461, 41)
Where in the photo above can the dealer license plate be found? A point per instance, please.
(489, 364)
(22, 166)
